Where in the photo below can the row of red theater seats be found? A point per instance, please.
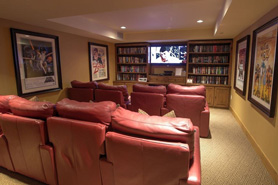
(185, 101)
(72, 142)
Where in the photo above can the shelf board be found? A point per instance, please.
(209, 64)
(133, 54)
(194, 74)
(209, 53)
(131, 72)
(132, 63)
(212, 85)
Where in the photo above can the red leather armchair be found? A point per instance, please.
(78, 137)
(148, 98)
(26, 136)
(189, 102)
(151, 150)
(82, 91)
(114, 93)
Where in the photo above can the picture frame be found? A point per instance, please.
(36, 62)
(241, 65)
(263, 72)
(98, 62)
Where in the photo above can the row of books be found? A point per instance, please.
(211, 70)
(209, 79)
(127, 60)
(130, 77)
(210, 59)
(136, 69)
(133, 50)
(210, 48)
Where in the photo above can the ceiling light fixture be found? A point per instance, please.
(200, 21)
(123, 27)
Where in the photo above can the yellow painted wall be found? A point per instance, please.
(263, 130)
(74, 59)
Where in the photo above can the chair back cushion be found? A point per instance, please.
(22, 107)
(186, 90)
(149, 89)
(81, 94)
(122, 88)
(155, 127)
(78, 84)
(98, 112)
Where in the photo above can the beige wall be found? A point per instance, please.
(74, 59)
(264, 131)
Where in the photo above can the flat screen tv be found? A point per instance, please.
(168, 54)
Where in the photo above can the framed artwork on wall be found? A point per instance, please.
(37, 62)
(241, 66)
(263, 73)
(98, 60)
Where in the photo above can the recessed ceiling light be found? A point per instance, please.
(123, 27)
(200, 21)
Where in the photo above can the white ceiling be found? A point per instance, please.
(146, 20)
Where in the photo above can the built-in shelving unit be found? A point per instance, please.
(132, 61)
(209, 64)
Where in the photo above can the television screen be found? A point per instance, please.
(168, 54)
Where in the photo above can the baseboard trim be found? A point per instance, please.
(264, 159)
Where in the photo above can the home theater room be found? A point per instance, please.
(150, 92)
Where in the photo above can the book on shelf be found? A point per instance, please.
(210, 48)
(211, 70)
(209, 59)
(132, 50)
(130, 77)
(209, 79)
(131, 60)
(136, 69)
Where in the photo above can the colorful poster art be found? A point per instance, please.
(37, 62)
(98, 62)
(242, 65)
(262, 90)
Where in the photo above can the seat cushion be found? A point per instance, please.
(22, 107)
(122, 88)
(78, 84)
(186, 90)
(99, 112)
(155, 127)
(149, 89)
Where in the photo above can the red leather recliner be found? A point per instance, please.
(151, 150)
(189, 102)
(82, 91)
(114, 93)
(148, 98)
(78, 137)
(25, 133)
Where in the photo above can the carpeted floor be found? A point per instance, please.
(227, 158)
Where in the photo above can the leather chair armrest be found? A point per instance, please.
(164, 111)
(47, 156)
(5, 159)
(205, 115)
(107, 172)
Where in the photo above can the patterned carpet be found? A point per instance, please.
(227, 158)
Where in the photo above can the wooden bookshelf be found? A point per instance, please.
(132, 61)
(209, 64)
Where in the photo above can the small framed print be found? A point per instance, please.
(263, 73)
(98, 60)
(241, 66)
(37, 62)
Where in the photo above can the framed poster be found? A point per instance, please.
(98, 60)
(263, 74)
(241, 66)
(37, 62)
